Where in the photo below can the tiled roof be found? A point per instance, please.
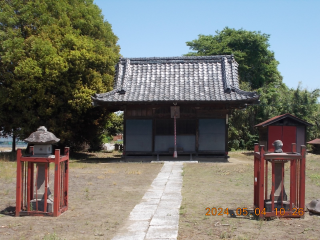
(208, 78)
(280, 117)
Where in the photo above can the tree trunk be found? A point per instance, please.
(13, 143)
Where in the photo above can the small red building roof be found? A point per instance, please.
(280, 117)
(315, 141)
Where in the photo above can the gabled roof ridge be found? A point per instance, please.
(280, 117)
(218, 57)
(225, 76)
(126, 73)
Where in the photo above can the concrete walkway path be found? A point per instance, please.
(157, 215)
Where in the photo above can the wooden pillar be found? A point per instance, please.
(302, 178)
(273, 184)
(261, 179)
(56, 183)
(226, 136)
(266, 182)
(19, 183)
(124, 141)
(29, 185)
(45, 186)
(294, 148)
(153, 133)
(66, 182)
(255, 177)
(197, 136)
(293, 186)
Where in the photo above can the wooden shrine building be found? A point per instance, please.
(287, 128)
(205, 89)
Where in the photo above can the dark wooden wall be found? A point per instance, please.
(187, 128)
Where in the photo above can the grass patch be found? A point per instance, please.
(51, 236)
(8, 156)
(7, 171)
(230, 185)
(101, 197)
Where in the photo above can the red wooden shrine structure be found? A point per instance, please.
(27, 202)
(287, 128)
(270, 206)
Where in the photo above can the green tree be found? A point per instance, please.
(304, 105)
(114, 124)
(257, 64)
(258, 71)
(54, 55)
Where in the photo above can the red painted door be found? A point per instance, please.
(274, 133)
(289, 134)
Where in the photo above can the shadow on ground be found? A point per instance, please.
(248, 153)
(9, 211)
(100, 157)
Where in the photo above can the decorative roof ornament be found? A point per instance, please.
(42, 136)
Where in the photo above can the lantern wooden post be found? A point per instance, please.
(56, 183)
(278, 206)
(19, 183)
(66, 182)
(302, 178)
(261, 178)
(255, 175)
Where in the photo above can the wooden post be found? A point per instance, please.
(261, 179)
(56, 183)
(23, 183)
(302, 178)
(273, 185)
(294, 148)
(197, 136)
(226, 135)
(282, 183)
(175, 155)
(153, 134)
(19, 183)
(255, 181)
(46, 167)
(66, 182)
(29, 183)
(292, 183)
(256, 147)
(124, 140)
(266, 182)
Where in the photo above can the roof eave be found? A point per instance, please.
(282, 117)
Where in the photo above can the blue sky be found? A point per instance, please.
(157, 28)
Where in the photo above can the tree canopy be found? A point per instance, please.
(258, 71)
(54, 55)
(257, 64)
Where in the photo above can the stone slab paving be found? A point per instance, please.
(157, 215)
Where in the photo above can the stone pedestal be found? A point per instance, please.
(277, 205)
(41, 182)
(33, 204)
(279, 179)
